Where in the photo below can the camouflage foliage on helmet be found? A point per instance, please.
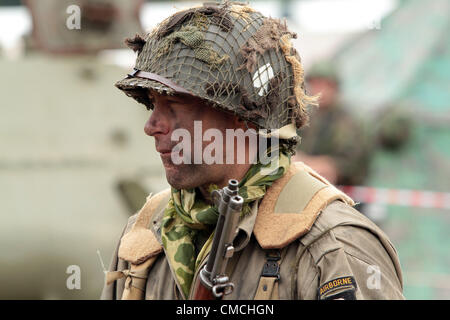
(229, 55)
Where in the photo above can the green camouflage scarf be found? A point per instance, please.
(187, 216)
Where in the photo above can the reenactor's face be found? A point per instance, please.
(326, 88)
(179, 112)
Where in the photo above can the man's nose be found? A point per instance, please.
(157, 123)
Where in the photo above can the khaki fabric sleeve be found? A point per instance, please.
(347, 262)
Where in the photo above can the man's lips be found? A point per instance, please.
(166, 155)
(164, 150)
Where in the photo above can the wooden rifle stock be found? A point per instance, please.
(201, 292)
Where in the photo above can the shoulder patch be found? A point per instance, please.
(140, 244)
(291, 206)
(343, 295)
(334, 285)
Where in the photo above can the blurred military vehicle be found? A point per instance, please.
(75, 162)
(396, 76)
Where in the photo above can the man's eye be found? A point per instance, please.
(150, 105)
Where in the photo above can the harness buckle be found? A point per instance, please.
(133, 73)
(271, 267)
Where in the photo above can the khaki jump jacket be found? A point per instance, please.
(327, 249)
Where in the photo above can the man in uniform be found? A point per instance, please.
(225, 66)
(334, 144)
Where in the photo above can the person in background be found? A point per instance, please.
(334, 144)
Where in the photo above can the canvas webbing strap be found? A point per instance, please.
(268, 282)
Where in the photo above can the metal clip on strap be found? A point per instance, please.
(133, 73)
(268, 282)
(272, 267)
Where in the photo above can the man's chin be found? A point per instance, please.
(175, 178)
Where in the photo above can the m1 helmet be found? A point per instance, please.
(229, 55)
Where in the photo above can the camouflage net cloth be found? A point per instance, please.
(231, 56)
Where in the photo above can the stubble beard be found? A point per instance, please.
(186, 176)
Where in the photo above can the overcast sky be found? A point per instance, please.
(308, 16)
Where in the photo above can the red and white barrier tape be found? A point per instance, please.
(399, 197)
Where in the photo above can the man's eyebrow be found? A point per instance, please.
(176, 98)
(171, 98)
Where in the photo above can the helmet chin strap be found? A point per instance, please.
(286, 132)
(152, 76)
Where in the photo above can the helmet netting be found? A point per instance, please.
(233, 57)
